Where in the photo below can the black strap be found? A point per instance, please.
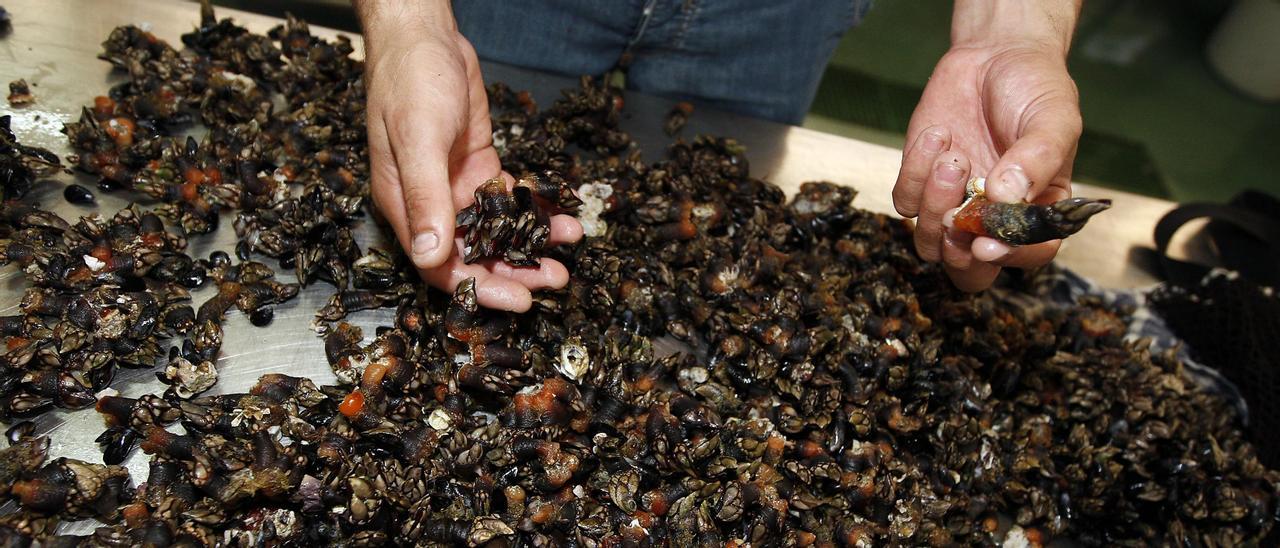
(1254, 242)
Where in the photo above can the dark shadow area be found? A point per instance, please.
(335, 14)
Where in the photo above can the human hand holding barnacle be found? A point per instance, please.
(1000, 102)
(431, 147)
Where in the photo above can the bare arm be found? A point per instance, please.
(431, 144)
(1044, 23)
(1000, 104)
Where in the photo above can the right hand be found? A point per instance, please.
(431, 145)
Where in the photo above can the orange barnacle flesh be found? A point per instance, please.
(15, 342)
(810, 449)
(773, 448)
(193, 175)
(103, 106)
(120, 129)
(526, 100)
(113, 171)
(541, 406)
(135, 514)
(373, 374)
(79, 274)
(644, 383)
(153, 239)
(29, 492)
(102, 253)
(659, 506)
(990, 524)
(212, 175)
(190, 191)
(348, 178)
(1034, 536)
(543, 514)
(857, 535)
(100, 160)
(969, 218)
(352, 404)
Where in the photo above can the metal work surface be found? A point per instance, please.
(53, 45)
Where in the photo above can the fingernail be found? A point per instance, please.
(988, 250)
(1013, 187)
(423, 245)
(933, 141)
(948, 172)
(949, 218)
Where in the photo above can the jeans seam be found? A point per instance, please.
(690, 13)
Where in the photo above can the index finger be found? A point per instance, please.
(917, 161)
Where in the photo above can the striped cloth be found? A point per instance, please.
(1057, 286)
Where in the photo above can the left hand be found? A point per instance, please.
(1007, 111)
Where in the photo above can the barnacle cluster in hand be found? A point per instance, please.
(725, 367)
(1023, 223)
(514, 225)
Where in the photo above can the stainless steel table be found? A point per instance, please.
(54, 44)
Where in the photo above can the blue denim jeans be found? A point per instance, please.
(762, 58)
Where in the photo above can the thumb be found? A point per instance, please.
(1042, 154)
(422, 160)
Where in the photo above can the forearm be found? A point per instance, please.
(1040, 23)
(379, 18)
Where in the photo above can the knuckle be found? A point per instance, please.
(419, 196)
(907, 203)
(935, 209)
(956, 258)
(927, 246)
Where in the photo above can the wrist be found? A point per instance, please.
(1042, 24)
(383, 20)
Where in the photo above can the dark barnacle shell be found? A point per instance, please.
(77, 194)
(677, 117)
(514, 224)
(27, 528)
(262, 317)
(75, 489)
(1024, 223)
(21, 165)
